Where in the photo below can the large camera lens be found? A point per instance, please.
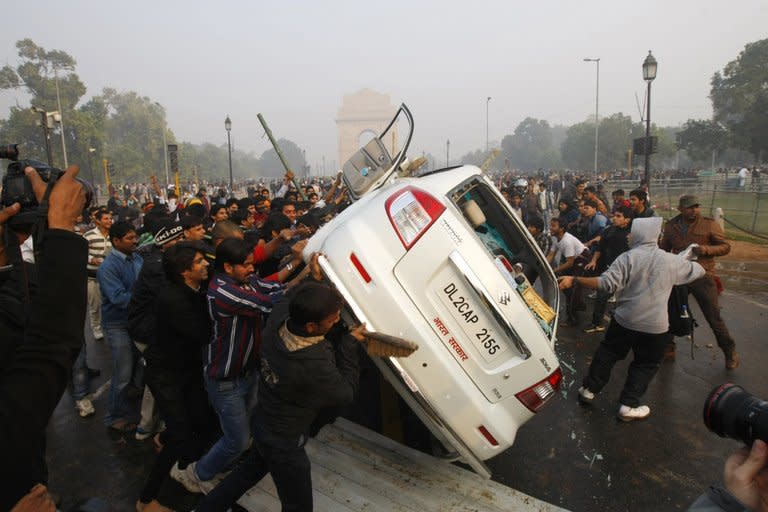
(730, 411)
(9, 151)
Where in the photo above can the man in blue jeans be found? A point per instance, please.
(116, 276)
(309, 361)
(236, 299)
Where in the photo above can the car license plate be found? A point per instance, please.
(470, 315)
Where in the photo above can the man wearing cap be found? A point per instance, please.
(142, 311)
(691, 228)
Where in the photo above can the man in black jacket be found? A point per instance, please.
(174, 358)
(142, 311)
(35, 375)
(306, 365)
(613, 241)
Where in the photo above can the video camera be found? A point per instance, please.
(18, 189)
(730, 411)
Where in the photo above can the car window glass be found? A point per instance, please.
(492, 222)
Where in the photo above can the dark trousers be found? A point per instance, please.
(648, 350)
(189, 421)
(284, 458)
(704, 291)
(599, 307)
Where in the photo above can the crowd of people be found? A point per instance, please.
(180, 292)
(208, 305)
(587, 235)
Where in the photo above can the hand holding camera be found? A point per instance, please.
(26, 182)
(67, 198)
(731, 411)
(5, 214)
(746, 476)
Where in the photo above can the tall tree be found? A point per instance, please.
(740, 98)
(270, 163)
(134, 133)
(700, 137)
(476, 157)
(578, 147)
(39, 73)
(531, 146)
(210, 162)
(616, 134)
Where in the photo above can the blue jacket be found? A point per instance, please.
(596, 225)
(116, 276)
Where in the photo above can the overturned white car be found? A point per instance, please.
(441, 260)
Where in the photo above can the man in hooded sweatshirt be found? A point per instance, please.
(642, 279)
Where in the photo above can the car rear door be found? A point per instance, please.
(474, 311)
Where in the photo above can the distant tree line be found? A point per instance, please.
(736, 135)
(122, 127)
(127, 128)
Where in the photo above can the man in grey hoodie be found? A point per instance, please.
(642, 279)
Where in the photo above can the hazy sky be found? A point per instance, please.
(293, 61)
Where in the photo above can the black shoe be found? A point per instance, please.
(93, 373)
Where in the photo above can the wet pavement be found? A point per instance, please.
(580, 458)
(583, 459)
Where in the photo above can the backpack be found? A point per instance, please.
(681, 321)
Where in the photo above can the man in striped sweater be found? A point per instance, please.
(98, 248)
(237, 303)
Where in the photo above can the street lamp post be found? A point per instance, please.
(165, 147)
(61, 118)
(228, 127)
(649, 74)
(448, 153)
(44, 120)
(91, 151)
(597, 104)
(486, 123)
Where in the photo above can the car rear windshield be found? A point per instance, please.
(504, 239)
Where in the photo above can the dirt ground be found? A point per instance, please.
(746, 251)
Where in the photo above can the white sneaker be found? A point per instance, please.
(187, 477)
(585, 395)
(627, 413)
(612, 299)
(208, 485)
(85, 407)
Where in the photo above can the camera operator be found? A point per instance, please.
(746, 483)
(34, 376)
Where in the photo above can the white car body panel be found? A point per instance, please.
(463, 386)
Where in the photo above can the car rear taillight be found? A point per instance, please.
(537, 395)
(411, 212)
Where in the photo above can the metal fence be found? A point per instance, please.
(744, 208)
